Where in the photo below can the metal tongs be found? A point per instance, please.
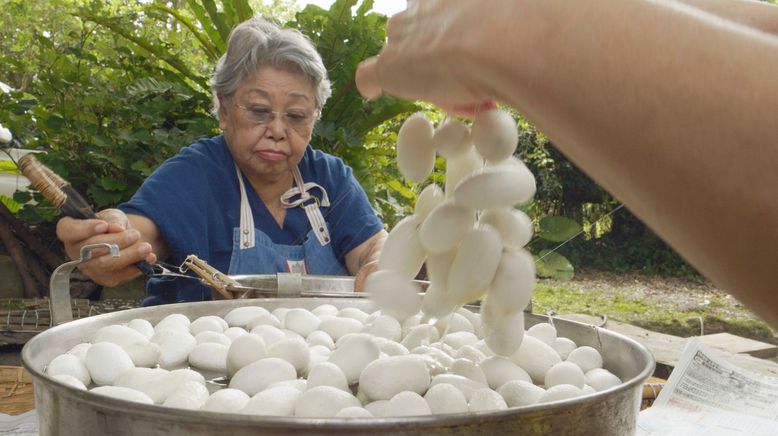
(280, 285)
(212, 277)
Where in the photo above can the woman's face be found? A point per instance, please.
(268, 122)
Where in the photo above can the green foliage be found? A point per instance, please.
(646, 253)
(557, 228)
(12, 205)
(553, 265)
(104, 123)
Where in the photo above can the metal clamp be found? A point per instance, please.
(59, 284)
(289, 285)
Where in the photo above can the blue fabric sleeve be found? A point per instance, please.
(186, 198)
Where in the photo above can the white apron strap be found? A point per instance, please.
(246, 218)
(310, 204)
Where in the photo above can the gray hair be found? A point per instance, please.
(257, 42)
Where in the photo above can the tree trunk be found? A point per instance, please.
(37, 270)
(82, 286)
(15, 250)
(51, 259)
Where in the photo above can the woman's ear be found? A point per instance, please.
(222, 111)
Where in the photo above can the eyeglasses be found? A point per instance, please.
(300, 121)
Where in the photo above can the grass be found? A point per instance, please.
(664, 316)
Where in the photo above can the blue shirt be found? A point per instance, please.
(194, 200)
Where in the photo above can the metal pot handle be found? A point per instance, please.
(59, 284)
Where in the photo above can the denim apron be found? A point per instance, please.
(253, 252)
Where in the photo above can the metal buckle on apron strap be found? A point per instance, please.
(311, 208)
(313, 199)
(312, 211)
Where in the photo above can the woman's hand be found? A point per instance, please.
(363, 274)
(363, 260)
(113, 227)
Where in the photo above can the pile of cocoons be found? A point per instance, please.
(327, 363)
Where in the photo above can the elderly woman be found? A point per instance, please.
(255, 200)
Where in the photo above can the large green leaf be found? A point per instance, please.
(208, 46)
(557, 228)
(7, 166)
(219, 19)
(553, 266)
(207, 25)
(12, 205)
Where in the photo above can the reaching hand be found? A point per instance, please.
(432, 54)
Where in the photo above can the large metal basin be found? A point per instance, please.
(63, 410)
(67, 411)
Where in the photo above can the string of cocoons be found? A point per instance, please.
(470, 236)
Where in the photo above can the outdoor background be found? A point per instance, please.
(107, 90)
